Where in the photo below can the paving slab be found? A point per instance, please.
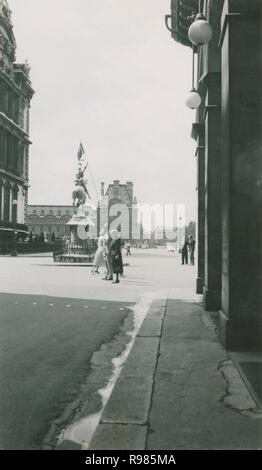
(151, 327)
(119, 437)
(142, 359)
(130, 401)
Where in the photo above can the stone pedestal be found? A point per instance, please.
(241, 312)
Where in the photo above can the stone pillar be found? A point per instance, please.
(241, 314)
(130, 221)
(20, 206)
(212, 116)
(198, 133)
(98, 221)
(11, 205)
(25, 204)
(2, 202)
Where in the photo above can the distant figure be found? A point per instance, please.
(184, 252)
(128, 248)
(107, 258)
(191, 247)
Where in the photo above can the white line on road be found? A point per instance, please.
(83, 430)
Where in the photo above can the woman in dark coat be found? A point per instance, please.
(115, 254)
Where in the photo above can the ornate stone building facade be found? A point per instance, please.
(15, 96)
(49, 220)
(227, 131)
(118, 207)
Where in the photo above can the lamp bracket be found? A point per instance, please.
(167, 18)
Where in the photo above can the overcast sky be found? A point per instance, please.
(107, 73)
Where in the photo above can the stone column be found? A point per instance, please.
(241, 313)
(25, 205)
(130, 221)
(20, 205)
(212, 116)
(11, 205)
(2, 203)
(198, 133)
(98, 221)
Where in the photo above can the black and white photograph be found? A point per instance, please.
(130, 228)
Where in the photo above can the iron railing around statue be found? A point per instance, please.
(74, 252)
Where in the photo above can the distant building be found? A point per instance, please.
(118, 207)
(49, 220)
(15, 96)
(164, 234)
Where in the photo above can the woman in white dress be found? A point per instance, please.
(99, 259)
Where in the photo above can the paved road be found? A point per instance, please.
(54, 318)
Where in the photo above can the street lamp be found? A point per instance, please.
(200, 31)
(193, 100)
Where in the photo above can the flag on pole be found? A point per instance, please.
(80, 152)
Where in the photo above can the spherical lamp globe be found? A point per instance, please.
(200, 32)
(193, 100)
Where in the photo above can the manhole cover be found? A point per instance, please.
(252, 375)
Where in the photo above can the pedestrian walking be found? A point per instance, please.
(128, 248)
(107, 258)
(184, 252)
(116, 255)
(191, 248)
(99, 259)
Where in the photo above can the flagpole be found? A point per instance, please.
(94, 183)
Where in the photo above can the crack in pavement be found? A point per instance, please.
(237, 396)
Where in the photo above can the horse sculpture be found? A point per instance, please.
(79, 196)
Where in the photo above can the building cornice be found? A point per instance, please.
(12, 127)
(13, 177)
(26, 92)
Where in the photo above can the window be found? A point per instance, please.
(59, 213)
(34, 211)
(50, 211)
(7, 203)
(42, 211)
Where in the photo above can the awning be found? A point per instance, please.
(13, 230)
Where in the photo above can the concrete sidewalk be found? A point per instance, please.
(179, 389)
